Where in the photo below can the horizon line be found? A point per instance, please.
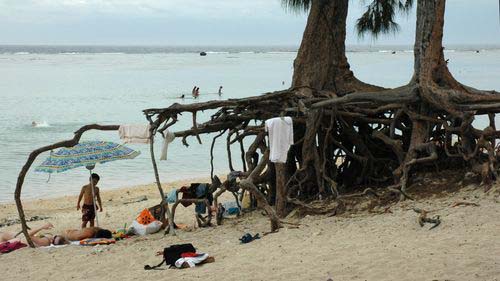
(216, 45)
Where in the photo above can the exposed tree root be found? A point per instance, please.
(423, 219)
(463, 203)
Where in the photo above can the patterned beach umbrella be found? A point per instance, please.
(87, 153)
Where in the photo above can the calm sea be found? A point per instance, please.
(67, 87)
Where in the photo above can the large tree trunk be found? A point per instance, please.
(321, 62)
(441, 98)
(430, 69)
(428, 48)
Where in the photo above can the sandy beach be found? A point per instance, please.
(354, 246)
(362, 136)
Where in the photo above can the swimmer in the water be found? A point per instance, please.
(34, 124)
(196, 92)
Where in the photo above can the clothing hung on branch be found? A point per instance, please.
(134, 133)
(168, 137)
(280, 130)
(202, 192)
(197, 191)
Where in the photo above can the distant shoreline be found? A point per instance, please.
(166, 185)
(155, 49)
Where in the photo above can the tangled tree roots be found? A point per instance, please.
(350, 134)
(376, 139)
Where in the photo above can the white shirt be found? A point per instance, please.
(168, 138)
(280, 130)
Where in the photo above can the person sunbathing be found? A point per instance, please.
(49, 239)
(40, 240)
(87, 232)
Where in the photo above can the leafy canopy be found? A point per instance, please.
(296, 5)
(378, 18)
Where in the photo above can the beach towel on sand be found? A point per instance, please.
(7, 247)
(96, 241)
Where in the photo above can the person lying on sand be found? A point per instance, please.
(87, 232)
(39, 240)
(49, 239)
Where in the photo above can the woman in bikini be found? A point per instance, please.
(39, 240)
(42, 240)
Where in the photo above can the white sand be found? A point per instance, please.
(389, 246)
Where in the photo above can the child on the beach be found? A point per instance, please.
(88, 210)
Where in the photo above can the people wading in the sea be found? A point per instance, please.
(193, 92)
(196, 92)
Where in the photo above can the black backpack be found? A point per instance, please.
(172, 254)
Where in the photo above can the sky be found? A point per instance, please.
(212, 22)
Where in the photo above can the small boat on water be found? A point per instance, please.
(203, 54)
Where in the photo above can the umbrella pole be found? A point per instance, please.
(93, 197)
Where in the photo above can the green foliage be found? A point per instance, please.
(380, 16)
(296, 5)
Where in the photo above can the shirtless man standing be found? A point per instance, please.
(88, 211)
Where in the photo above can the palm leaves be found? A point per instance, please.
(296, 5)
(379, 16)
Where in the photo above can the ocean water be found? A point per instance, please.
(64, 88)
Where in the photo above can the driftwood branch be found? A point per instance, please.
(423, 219)
(247, 184)
(163, 203)
(34, 154)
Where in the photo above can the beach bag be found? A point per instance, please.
(145, 217)
(172, 254)
(141, 229)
